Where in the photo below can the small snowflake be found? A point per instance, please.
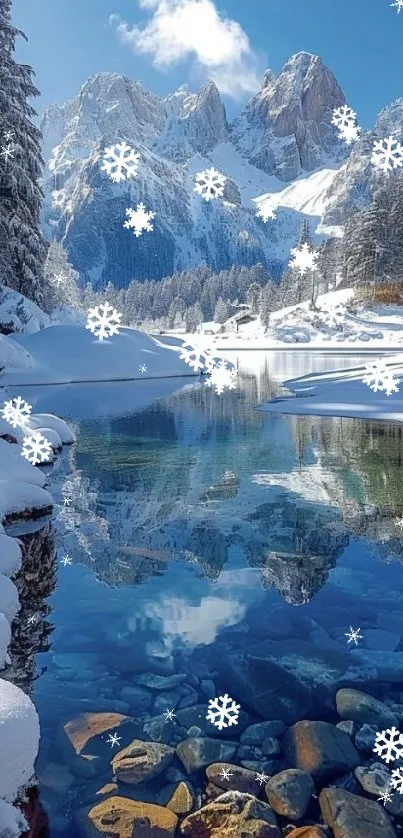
(389, 744)
(223, 711)
(210, 184)
(142, 368)
(398, 4)
(197, 354)
(59, 278)
(113, 739)
(266, 211)
(353, 636)
(225, 774)
(331, 316)
(66, 560)
(379, 377)
(6, 152)
(169, 715)
(16, 411)
(8, 136)
(66, 501)
(397, 779)
(36, 448)
(103, 321)
(139, 220)
(303, 258)
(120, 162)
(31, 619)
(221, 376)
(343, 116)
(386, 796)
(261, 778)
(387, 154)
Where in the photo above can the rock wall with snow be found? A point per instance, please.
(282, 136)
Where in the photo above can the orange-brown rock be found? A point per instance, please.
(141, 760)
(307, 832)
(181, 801)
(121, 817)
(232, 814)
(80, 730)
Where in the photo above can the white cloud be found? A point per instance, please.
(180, 29)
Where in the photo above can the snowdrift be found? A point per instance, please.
(71, 354)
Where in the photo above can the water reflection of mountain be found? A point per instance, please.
(199, 475)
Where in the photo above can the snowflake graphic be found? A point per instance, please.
(223, 712)
(349, 132)
(169, 715)
(197, 354)
(142, 368)
(389, 744)
(387, 154)
(221, 376)
(103, 321)
(261, 778)
(386, 796)
(398, 4)
(343, 116)
(120, 162)
(379, 377)
(8, 136)
(353, 636)
(36, 449)
(16, 411)
(139, 220)
(66, 560)
(210, 184)
(59, 278)
(331, 316)
(266, 211)
(6, 152)
(397, 780)
(113, 739)
(225, 773)
(303, 258)
(31, 620)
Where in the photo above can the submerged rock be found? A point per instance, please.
(181, 801)
(320, 748)
(141, 760)
(240, 779)
(196, 752)
(126, 818)
(349, 815)
(232, 814)
(289, 793)
(360, 707)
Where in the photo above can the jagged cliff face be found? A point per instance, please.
(283, 133)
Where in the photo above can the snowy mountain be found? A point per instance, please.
(282, 148)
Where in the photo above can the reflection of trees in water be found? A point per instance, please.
(35, 582)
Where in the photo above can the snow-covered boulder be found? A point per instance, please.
(13, 357)
(15, 467)
(12, 821)
(47, 420)
(19, 740)
(5, 637)
(10, 554)
(68, 354)
(9, 603)
(19, 498)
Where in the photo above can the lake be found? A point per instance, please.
(211, 549)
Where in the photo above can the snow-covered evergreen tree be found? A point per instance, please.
(221, 311)
(22, 245)
(61, 280)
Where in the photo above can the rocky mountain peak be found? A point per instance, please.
(197, 122)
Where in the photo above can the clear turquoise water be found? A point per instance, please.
(199, 526)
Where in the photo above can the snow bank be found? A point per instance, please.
(19, 740)
(18, 314)
(68, 354)
(10, 555)
(47, 420)
(12, 821)
(13, 356)
(9, 603)
(342, 393)
(16, 467)
(5, 638)
(17, 497)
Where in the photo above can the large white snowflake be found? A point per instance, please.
(389, 744)
(387, 154)
(303, 258)
(222, 376)
(210, 184)
(223, 712)
(397, 779)
(343, 116)
(120, 162)
(197, 354)
(16, 411)
(266, 211)
(103, 321)
(332, 316)
(398, 4)
(379, 377)
(36, 449)
(349, 132)
(139, 220)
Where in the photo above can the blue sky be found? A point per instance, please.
(360, 40)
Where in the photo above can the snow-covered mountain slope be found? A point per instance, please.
(283, 143)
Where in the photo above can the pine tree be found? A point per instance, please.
(23, 247)
(60, 280)
(305, 234)
(221, 311)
